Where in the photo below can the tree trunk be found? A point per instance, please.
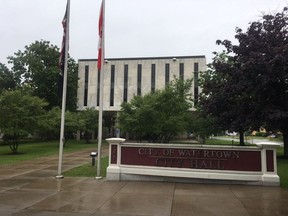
(14, 146)
(241, 138)
(285, 141)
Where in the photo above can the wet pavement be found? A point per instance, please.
(30, 188)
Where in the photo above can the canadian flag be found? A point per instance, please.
(63, 54)
(100, 42)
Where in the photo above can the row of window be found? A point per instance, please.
(139, 81)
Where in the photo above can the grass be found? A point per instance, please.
(30, 151)
(220, 142)
(87, 170)
(207, 142)
(282, 168)
(225, 142)
(212, 141)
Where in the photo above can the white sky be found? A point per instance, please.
(134, 28)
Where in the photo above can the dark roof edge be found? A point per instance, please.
(146, 58)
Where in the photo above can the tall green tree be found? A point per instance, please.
(224, 97)
(7, 78)
(203, 126)
(19, 116)
(50, 123)
(88, 122)
(160, 115)
(263, 53)
(37, 68)
(139, 118)
(261, 60)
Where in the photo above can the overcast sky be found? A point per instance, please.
(134, 28)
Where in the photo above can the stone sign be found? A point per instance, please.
(192, 158)
(248, 165)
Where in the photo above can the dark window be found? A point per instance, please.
(167, 74)
(196, 88)
(125, 95)
(139, 79)
(181, 71)
(153, 77)
(112, 85)
(86, 85)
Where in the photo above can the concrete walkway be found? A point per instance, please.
(30, 188)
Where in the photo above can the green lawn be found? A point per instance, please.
(33, 150)
(283, 172)
(87, 170)
(282, 168)
(220, 142)
(207, 142)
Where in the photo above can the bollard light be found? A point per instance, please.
(93, 155)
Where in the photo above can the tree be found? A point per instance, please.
(37, 67)
(203, 126)
(50, 123)
(224, 97)
(7, 79)
(88, 122)
(263, 53)
(271, 69)
(139, 117)
(261, 58)
(159, 115)
(173, 104)
(19, 116)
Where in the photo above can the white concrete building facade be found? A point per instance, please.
(126, 77)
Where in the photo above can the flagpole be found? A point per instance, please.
(100, 119)
(62, 138)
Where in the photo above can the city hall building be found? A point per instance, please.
(126, 77)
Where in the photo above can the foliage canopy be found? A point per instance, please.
(36, 69)
(252, 78)
(159, 115)
(19, 115)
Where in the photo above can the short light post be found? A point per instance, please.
(93, 155)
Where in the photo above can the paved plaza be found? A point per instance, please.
(30, 188)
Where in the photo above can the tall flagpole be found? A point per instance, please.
(62, 138)
(101, 51)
